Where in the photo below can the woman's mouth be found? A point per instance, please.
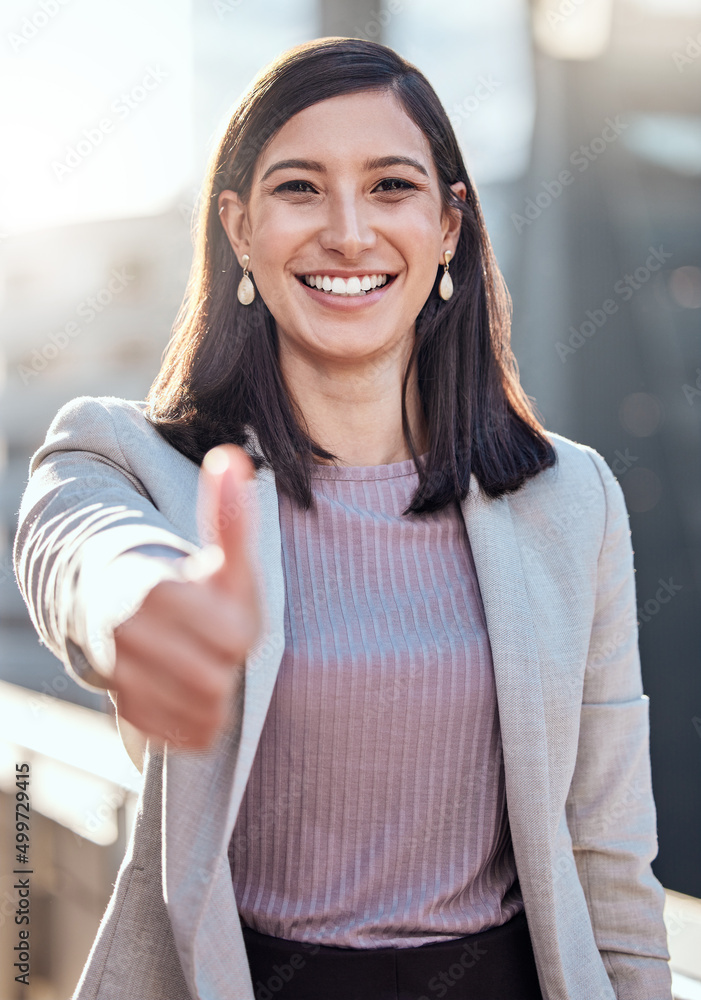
(355, 286)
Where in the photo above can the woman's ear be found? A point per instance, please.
(233, 216)
(452, 219)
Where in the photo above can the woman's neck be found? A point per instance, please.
(356, 414)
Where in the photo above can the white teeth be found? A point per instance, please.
(341, 286)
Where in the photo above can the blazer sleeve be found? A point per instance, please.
(85, 553)
(610, 809)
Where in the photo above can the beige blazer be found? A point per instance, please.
(555, 568)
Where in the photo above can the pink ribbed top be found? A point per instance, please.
(375, 812)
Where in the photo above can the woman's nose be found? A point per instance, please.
(347, 228)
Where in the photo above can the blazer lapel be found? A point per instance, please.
(514, 645)
(203, 790)
(524, 612)
(264, 659)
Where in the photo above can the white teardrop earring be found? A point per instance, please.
(445, 289)
(246, 292)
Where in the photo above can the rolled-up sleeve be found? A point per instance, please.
(90, 542)
(610, 809)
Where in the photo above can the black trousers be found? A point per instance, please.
(496, 964)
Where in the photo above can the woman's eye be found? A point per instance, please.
(388, 185)
(296, 187)
(395, 184)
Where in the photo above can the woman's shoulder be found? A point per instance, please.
(578, 465)
(579, 494)
(110, 426)
(101, 409)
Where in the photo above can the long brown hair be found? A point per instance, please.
(220, 372)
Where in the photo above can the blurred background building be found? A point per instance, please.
(580, 122)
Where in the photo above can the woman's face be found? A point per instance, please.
(345, 190)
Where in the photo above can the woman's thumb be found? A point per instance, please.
(227, 470)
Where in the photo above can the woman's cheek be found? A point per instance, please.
(283, 238)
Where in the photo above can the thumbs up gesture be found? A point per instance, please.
(179, 658)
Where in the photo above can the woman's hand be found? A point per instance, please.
(179, 658)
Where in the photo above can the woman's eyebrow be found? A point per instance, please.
(377, 163)
(392, 161)
(295, 165)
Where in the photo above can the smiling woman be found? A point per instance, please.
(346, 258)
(328, 172)
(386, 696)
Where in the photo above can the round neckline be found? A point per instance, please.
(392, 470)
